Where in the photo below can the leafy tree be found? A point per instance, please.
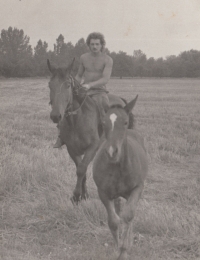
(122, 64)
(157, 70)
(139, 60)
(79, 49)
(191, 62)
(63, 52)
(17, 59)
(40, 58)
(59, 51)
(16, 53)
(150, 63)
(59, 44)
(175, 66)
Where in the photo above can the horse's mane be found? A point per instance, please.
(131, 116)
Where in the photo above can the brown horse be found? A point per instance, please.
(79, 119)
(119, 170)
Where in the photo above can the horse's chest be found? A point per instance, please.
(115, 183)
(119, 185)
(77, 144)
(80, 134)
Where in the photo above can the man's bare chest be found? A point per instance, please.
(94, 65)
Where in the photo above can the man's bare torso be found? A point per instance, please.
(93, 66)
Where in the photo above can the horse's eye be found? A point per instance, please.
(126, 123)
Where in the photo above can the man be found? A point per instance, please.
(94, 73)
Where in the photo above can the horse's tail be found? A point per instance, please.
(131, 116)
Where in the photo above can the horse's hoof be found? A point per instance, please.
(85, 196)
(123, 254)
(75, 200)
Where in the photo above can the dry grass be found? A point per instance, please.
(37, 220)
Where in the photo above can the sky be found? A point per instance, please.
(157, 27)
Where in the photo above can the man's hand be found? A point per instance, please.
(86, 86)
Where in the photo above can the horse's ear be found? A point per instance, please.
(51, 68)
(130, 105)
(70, 68)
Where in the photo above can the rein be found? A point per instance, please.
(75, 91)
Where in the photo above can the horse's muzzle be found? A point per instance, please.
(55, 118)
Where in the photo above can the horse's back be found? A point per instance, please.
(115, 100)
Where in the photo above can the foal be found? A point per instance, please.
(119, 170)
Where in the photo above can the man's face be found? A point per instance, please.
(95, 45)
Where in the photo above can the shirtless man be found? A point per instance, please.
(95, 66)
(94, 73)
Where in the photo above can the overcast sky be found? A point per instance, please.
(157, 27)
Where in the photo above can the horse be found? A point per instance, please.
(119, 170)
(78, 118)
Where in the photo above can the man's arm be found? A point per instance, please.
(81, 70)
(105, 76)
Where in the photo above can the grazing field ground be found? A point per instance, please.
(37, 219)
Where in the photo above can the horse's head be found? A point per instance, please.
(115, 126)
(60, 90)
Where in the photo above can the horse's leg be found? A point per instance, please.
(85, 194)
(118, 205)
(81, 172)
(113, 218)
(127, 215)
(77, 160)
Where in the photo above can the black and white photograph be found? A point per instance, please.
(100, 130)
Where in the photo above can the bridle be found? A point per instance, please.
(76, 87)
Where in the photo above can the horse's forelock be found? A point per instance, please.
(61, 73)
(131, 116)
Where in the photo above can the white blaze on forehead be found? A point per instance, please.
(113, 118)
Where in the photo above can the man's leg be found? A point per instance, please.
(102, 102)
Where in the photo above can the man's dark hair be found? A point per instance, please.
(96, 35)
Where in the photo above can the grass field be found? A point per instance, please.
(37, 219)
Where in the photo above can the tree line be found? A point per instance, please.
(19, 59)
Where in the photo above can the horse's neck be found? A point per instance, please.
(78, 99)
(71, 119)
(79, 106)
(76, 102)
